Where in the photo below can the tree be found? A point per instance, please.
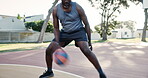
(40, 39)
(111, 26)
(108, 9)
(145, 26)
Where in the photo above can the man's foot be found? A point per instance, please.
(47, 74)
(102, 76)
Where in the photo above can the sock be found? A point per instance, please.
(100, 71)
(49, 69)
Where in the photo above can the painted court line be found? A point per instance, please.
(41, 68)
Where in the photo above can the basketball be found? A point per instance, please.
(60, 57)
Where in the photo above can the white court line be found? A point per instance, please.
(42, 68)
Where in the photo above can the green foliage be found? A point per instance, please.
(37, 26)
(29, 25)
(19, 17)
(123, 2)
(108, 9)
(98, 29)
(111, 26)
(126, 24)
(49, 27)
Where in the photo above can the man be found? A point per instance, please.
(71, 16)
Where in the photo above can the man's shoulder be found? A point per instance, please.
(55, 7)
(78, 7)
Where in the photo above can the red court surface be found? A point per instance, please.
(118, 60)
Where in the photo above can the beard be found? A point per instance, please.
(66, 5)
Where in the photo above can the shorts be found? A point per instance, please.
(79, 35)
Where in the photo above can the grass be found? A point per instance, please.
(99, 41)
(11, 47)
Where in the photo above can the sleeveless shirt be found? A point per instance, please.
(70, 21)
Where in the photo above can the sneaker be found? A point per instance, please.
(47, 74)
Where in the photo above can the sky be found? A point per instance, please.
(37, 7)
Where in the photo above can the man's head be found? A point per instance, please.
(66, 3)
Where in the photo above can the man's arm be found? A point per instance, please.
(86, 23)
(56, 25)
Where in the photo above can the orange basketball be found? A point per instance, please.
(60, 57)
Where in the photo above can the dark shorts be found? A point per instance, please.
(79, 35)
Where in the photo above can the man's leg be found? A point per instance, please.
(49, 52)
(83, 45)
(51, 48)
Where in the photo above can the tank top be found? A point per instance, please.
(70, 21)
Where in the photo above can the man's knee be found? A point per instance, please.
(51, 48)
(87, 51)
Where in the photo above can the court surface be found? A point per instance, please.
(26, 71)
(118, 60)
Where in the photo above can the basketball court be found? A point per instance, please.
(26, 71)
(118, 60)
